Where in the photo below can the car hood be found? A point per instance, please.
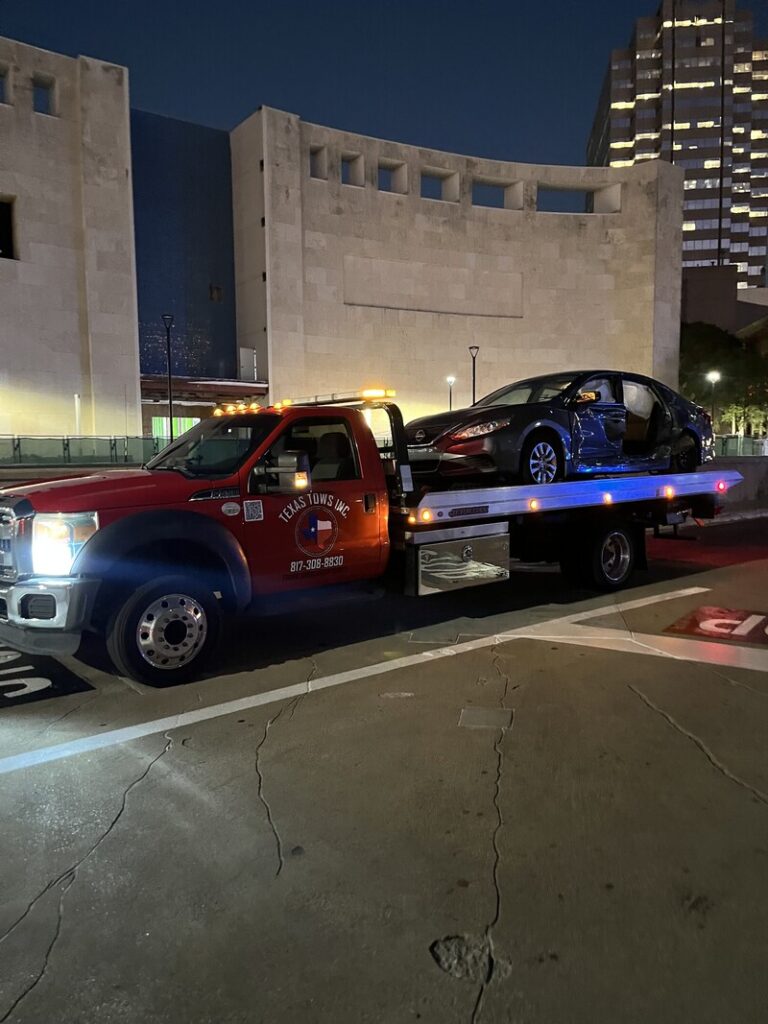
(120, 489)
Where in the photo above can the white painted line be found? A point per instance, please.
(88, 744)
(638, 602)
(664, 646)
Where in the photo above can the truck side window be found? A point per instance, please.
(329, 445)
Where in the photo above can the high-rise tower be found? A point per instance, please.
(692, 88)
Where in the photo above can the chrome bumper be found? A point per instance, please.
(59, 634)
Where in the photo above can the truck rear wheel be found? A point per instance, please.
(164, 632)
(603, 559)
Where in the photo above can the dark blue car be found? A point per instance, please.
(564, 425)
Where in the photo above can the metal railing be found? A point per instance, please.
(738, 444)
(18, 450)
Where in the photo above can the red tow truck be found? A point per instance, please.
(252, 503)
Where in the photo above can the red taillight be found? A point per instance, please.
(722, 486)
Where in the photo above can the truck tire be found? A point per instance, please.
(165, 631)
(603, 559)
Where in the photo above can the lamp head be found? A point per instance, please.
(450, 381)
(713, 376)
(473, 350)
(167, 319)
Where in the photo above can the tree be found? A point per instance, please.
(743, 385)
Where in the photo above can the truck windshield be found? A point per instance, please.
(541, 389)
(217, 446)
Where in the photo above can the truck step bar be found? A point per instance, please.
(448, 507)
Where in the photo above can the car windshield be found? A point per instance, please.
(216, 446)
(541, 389)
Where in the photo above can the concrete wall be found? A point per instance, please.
(752, 492)
(68, 320)
(371, 287)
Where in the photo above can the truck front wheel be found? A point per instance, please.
(164, 632)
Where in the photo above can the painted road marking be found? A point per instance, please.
(565, 628)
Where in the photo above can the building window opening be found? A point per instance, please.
(352, 169)
(392, 176)
(215, 293)
(484, 193)
(4, 90)
(7, 248)
(42, 95)
(318, 162)
(568, 200)
(439, 184)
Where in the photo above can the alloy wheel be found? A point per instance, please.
(171, 631)
(542, 463)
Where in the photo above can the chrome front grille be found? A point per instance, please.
(8, 529)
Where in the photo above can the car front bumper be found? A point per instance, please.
(69, 599)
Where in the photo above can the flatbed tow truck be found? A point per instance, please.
(257, 502)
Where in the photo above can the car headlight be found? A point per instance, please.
(57, 540)
(479, 429)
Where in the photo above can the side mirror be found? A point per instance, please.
(587, 397)
(287, 474)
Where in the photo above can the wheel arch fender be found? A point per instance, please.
(166, 530)
(545, 425)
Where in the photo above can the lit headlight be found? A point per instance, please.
(479, 429)
(57, 539)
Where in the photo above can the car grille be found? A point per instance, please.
(7, 535)
(423, 435)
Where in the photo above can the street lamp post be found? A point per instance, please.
(450, 381)
(473, 350)
(167, 319)
(713, 377)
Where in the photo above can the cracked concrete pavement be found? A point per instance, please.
(354, 854)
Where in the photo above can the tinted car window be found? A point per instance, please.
(602, 386)
(526, 392)
(216, 446)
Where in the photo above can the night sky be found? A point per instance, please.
(497, 78)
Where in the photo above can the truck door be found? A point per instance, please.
(327, 534)
(600, 422)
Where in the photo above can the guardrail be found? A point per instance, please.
(33, 451)
(738, 444)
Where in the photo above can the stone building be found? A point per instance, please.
(362, 262)
(68, 326)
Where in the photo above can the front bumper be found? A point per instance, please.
(59, 634)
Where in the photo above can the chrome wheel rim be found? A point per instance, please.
(171, 631)
(615, 557)
(542, 463)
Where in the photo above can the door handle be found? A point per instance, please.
(369, 503)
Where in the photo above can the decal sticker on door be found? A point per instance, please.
(316, 518)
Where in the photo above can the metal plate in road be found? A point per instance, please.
(26, 678)
(724, 624)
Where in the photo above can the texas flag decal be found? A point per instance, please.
(316, 532)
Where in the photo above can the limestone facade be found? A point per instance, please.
(347, 276)
(68, 322)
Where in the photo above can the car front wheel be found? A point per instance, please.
(542, 461)
(164, 632)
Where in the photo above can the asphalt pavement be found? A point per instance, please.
(520, 804)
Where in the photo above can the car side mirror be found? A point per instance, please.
(287, 474)
(587, 398)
